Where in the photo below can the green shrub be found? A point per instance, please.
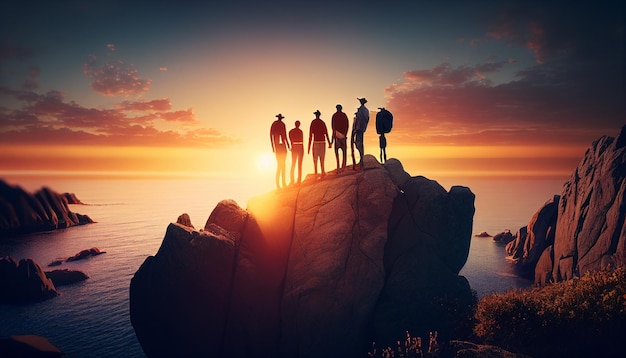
(584, 316)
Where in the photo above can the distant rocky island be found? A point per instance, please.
(45, 210)
(584, 228)
(316, 270)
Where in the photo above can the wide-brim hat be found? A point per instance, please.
(280, 116)
(362, 100)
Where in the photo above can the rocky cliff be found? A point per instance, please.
(314, 270)
(45, 210)
(24, 281)
(584, 228)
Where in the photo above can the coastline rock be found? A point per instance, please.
(504, 237)
(185, 220)
(531, 241)
(24, 282)
(583, 229)
(313, 270)
(24, 213)
(28, 346)
(83, 254)
(65, 277)
(482, 234)
(591, 226)
(72, 199)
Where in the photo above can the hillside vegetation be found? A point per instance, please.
(583, 316)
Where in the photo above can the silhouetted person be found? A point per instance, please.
(352, 135)
(297, 150)
(280, 144)
(384, 123)
(339, 126)
(317, 133)
(360, 125)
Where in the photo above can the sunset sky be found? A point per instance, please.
(480, 87)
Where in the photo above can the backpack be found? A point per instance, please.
(384, 121)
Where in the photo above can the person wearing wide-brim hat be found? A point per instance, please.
(318, 135)
(358, 128)
(280, 144)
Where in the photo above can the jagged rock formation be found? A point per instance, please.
(24, 282)
(590, 229)
(531, 240)
(309, 271)
(45, 210)
(584, 228)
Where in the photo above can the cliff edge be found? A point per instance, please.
(314, 270)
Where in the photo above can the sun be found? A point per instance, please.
(265, 162)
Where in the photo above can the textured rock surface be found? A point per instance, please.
(591, 230)
(306, 271)
(45, 210)
(24, 282)
(531, 241)
(584, 228)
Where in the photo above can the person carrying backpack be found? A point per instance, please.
(384, 123)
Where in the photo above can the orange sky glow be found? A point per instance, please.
(475, 92)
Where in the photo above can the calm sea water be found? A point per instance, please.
(91, 318)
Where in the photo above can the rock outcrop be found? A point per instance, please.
(86, 253)
(30, 346)
(65, 277)
(531, 240)
(584, 228)
(45, 210)
(591, 226)
(24, 282)
(312, 270)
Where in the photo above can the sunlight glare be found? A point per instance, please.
(266, 162)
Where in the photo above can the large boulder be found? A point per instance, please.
(311, 270)
(591, 225)
(531, 240)
(45, 210)
(24, 282)
(66, 277)
(584, 228)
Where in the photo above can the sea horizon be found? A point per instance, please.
(132, 215)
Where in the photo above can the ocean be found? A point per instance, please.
(91, 318)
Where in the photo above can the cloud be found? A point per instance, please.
(179, 116)
(159, 105)
(114, 77)
(50, 119)
(572, 94)
(163, 69)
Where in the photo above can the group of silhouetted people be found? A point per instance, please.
(318, 137)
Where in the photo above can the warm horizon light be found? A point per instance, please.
(193, 90)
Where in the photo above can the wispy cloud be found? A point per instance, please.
(50, 119)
